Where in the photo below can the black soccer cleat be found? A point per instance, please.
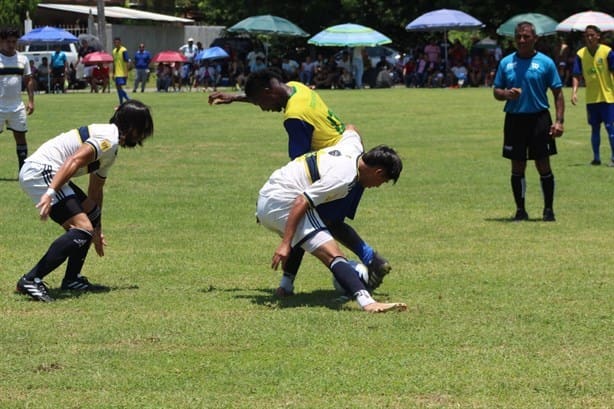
(548, 215)
(379, 267)
(520, 215)
(34, 288)
(81, 283)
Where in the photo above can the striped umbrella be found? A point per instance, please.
(349, 35)
(579, 21)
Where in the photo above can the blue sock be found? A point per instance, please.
(595, 141)
(366, 253)
(610, 129)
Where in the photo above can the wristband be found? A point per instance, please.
(50, 192)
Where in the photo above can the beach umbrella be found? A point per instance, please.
(579, 21)
(487, 42)
(212, 53)
(268, 24)
(544, 25)
(48, 34)
(444, 20)
(169, 56)
(349, 35)
(96, 57)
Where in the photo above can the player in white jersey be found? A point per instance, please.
(14, 68)
(46, 177)
(287, 205)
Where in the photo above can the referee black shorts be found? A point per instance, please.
(527, 136)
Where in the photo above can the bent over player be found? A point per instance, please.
(310, 126)
(288, 204)
(46, 178)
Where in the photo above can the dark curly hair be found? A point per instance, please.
(131, 116)
(385, 157)
(257, 81)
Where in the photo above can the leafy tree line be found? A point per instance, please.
(388, 16)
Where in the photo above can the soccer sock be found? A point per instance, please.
(63, 247)
(291, 269)
(22, 153)
(547, 182)
(610, 129)
(346, 277)
(349, 238)
(75, 262)
(595, 141)
(519, 187)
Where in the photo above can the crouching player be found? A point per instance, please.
(46, 178)
(287, 205)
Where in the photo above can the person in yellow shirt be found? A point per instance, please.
(121, 66)
(595, 63)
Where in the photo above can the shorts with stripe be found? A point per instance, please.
(311, 232)
(35, 179)
(527, 136)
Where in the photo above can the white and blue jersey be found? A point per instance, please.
(533, 76)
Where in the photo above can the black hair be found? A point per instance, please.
(594, 28)
(133, 115)
(385, 157)
(7, 32)
(259, 80)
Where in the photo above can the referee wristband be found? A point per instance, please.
(50, 192)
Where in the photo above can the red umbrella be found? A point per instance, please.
(96, 57)
(169, 56)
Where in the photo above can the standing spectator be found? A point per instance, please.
(43, 72)
(307, 70)
(58, 68)
(84, 50)
(189, 50)
(287, 204)
(433, 53)
(310, 126)
(47, 179)
(142, 59)
(522, 80)
(121, 61)
(595, 63)
(358, 66)
(33, 78)
(476, 71)
(15, 68)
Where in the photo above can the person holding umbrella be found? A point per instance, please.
(595, 63)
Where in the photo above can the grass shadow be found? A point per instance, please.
(59, 294)
(9, 179)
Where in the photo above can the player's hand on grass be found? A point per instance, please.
(281, 255)
(216, 98)
(99, 242)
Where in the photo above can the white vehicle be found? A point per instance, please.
(36, 52)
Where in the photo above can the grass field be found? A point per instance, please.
(501, 315)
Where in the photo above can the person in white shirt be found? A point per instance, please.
(288, 200)
(15, 68)
(46, 177)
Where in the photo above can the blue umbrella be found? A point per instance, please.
(444, 20)
(48, 34)
(212, 53)
(349, 35)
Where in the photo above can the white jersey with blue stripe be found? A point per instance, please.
(103, 138)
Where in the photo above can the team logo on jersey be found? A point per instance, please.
(334, 153)
(105, 145)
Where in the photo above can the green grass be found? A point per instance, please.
(501, 315)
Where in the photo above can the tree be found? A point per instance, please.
(13, 13)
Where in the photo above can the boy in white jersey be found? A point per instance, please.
(14, 68)
(287, 205)
(46, 178)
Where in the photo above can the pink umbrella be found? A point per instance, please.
(96, 57)
(169, 56)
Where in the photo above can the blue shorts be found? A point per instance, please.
(120, 81)
(600, 112)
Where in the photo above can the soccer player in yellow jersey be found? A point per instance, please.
(595, 63)
(311, 126)
(121, 66)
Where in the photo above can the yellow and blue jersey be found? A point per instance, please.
(598, 73)
(310, 124)
(120, 62)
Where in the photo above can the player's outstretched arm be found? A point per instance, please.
(217, 98)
